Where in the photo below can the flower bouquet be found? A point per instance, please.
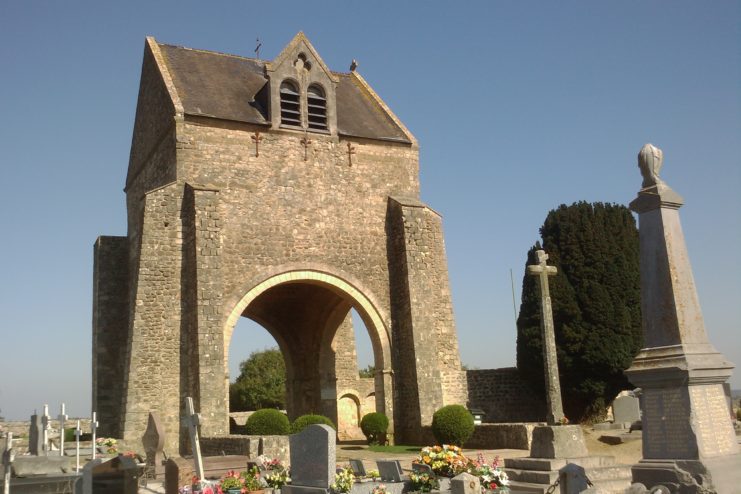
(491, 476)
(445, 461)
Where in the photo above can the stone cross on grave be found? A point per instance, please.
(62, 417)
(192, 420)
(93, 429)
(7, 460)
(550, 362)
(78, 433)
(45, 426)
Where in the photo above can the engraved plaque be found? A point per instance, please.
(711, 421)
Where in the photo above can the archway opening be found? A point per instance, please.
(309, 315)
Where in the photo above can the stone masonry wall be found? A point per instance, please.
(503, 396)
(111, 320)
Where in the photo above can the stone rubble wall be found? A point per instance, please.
(503, 396)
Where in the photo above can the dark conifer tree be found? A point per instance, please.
(596, 305)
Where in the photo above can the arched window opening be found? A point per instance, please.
(290, 107)
(317, 105)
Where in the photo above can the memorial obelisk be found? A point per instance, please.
(689, 444)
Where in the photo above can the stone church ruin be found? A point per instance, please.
(283, 192)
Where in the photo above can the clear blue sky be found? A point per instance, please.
(518, 107)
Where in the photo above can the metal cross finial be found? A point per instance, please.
(550, 362)
(257, 48)
(350, 152)
(192, 420)
(94, 428)
(62, 417)
(305, 142)
(257, 138)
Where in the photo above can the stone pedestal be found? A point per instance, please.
(559, 441)
(689, 443)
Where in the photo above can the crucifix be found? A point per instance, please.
(45, 425)
(350, 152)
(7, 460)
(192, 420)
(257, 48)
(94, 428)
(78, 433)
(62, 417)
(550, 362)
(257, 138)
(305, 142)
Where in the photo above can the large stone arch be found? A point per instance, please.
(349, 294)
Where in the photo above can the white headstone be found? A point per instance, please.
(62, 417)
(45, 425)
(93, 429)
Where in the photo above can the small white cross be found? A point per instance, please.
(7, 460)
(78, 433)
(62, 417)
(93, 428)
(45, 429)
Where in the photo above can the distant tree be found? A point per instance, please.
(369, 371)
(596, 305)
(261, 382)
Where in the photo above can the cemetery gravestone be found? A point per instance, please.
(358, 469)
(465, 483)
(313, 459)
(93, 429)
(154, 443)
(192, 421)
(688, 438)
(35, 439)
(626, 409)
(45, 426)
(62, 417)
(119, 475)
(390, 470)
(7, 461)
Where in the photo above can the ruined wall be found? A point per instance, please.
(503, 396)
(111, 324)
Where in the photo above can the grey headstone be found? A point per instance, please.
(119, 474)
(573, 479)
(422, 468)
(558, 441)
(313, 456)
(465, 483)
(35, 437)
(27, 466)
(390, 470)
(626, 409)
(357, 468)
(154, 444)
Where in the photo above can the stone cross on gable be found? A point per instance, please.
(45, 425)
(192, 420)
(7, 460)
(62, 417)
(93, 429)
(78, 433)
(550, 361)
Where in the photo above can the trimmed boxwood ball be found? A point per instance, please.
(304, 421)
(374, 425)
(268, 422)
(452, 424)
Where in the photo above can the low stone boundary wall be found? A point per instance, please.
(252, 446)
(494, 436)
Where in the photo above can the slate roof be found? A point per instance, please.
(224, 86)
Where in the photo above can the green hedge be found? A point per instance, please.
(452, 424)
(306, 420)
(267, 422)
(374, 425)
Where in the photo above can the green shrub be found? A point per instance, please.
(267, 422)
(452, 424)
(374, 425)
(738, 414)
(69, 435)
(306, 420)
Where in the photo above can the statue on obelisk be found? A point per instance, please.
(550, 361)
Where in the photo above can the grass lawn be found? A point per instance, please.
(398, 448)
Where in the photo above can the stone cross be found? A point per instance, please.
(305, 141)
(62, 417)
(257, 138)
(8, 457)
(94, 428)
(45, 425)
(192, 420)
(78, 433)
(350, 152)
(550, 361)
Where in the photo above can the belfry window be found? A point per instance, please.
(317, 107)
(290, 106)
